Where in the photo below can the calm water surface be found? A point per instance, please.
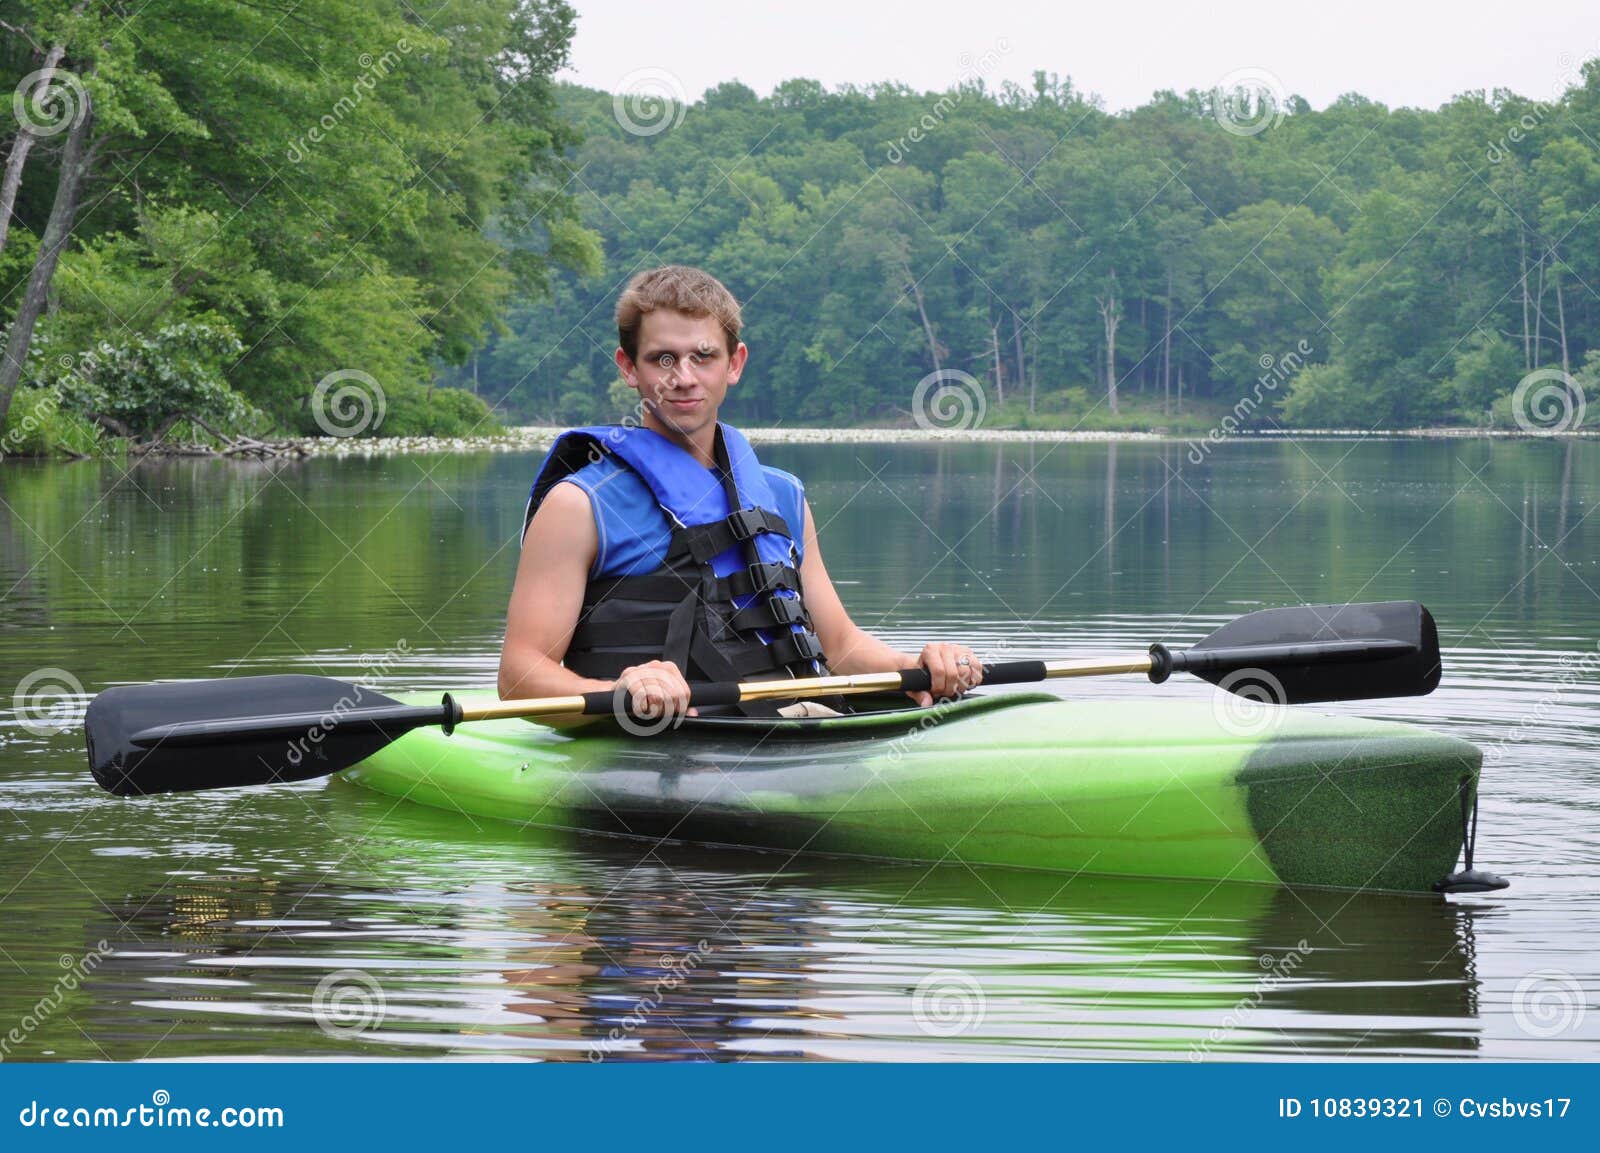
(318, 919)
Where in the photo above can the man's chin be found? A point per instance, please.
(685, 424)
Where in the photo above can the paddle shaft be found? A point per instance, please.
(1158, 664)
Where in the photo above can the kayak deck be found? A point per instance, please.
(1025, 780)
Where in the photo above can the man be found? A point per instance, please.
(664, 553)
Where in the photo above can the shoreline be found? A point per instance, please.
(534, 438)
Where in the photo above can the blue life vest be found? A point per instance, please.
(725, 602)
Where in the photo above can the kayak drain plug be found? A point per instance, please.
(1469, 880)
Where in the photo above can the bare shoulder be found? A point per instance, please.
(564, 525)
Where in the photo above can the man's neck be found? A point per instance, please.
(700, 444)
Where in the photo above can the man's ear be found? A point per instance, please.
(630, 374)
(736, 362)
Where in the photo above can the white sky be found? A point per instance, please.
(1400, 53)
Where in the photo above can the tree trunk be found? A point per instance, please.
(1111, 317)
(11, 182)
(927, 327)
(1561, 322)
(76, 160)
(999, 376)
(1538, 315)
(1023, 380)
(1166, 350)
(1527, 337)
(1144, 333)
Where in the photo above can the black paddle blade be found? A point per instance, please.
(1319, 653)
(241, 731)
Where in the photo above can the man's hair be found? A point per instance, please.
(680, 288)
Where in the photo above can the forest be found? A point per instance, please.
(220, 218)
(1354, 266)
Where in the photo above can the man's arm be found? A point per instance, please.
(850, 649)
(557, 553)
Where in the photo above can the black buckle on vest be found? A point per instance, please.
(786, 610)
(797, 647)
(745, 523)
(763, 578)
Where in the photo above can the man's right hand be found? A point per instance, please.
(654, 689)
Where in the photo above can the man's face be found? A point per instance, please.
(683, 370)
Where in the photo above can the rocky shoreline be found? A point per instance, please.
(536, 438)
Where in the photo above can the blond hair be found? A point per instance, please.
(681, 288)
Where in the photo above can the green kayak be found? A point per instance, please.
(1135, 788)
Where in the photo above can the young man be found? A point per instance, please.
(656, 555)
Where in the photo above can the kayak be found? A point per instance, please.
(1028, 780)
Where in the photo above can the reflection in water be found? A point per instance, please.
(318, 920)
(498, 942)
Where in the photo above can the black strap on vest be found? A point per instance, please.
(626, 620)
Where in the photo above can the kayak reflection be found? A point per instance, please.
(483, 940)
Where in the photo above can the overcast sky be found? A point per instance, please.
(1394, 51)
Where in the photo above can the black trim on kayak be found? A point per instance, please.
(873, 715)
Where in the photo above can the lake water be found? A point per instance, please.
(318, 919)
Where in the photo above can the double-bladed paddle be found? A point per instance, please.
(182, 736)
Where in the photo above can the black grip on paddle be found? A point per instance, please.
(604, 702)
(600, 703)
(1014, 673)
(712, 693)
(918, 680)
